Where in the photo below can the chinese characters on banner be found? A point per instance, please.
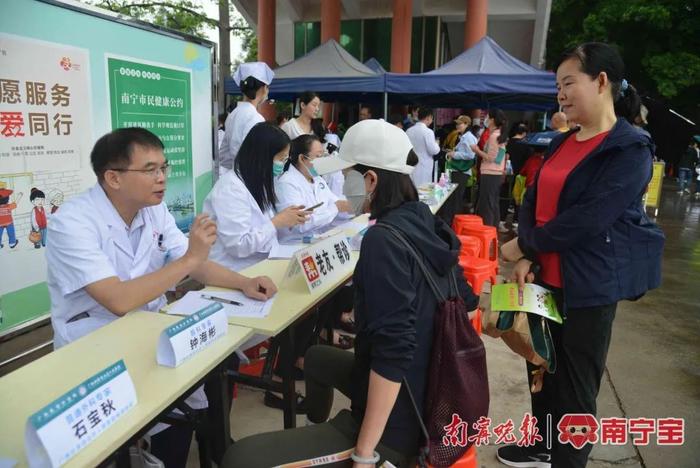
(157, 98)
(45, 143)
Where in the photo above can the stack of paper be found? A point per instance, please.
(197, 300)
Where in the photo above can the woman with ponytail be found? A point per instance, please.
(583, 224)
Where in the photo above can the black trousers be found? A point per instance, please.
(172, 445)
(331, 442)
(487, 204)
(581, 344)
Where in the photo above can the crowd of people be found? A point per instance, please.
(581, 232)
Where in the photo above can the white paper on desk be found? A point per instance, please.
(193, 301)
(284, 250)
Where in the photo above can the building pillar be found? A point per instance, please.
(330, 20)
(330, 29)
(266, 31)
(266, 47)
(401, 36)
(475, 22)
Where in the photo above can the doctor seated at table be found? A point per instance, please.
(243, 201)
(301, 185)
(116, 248)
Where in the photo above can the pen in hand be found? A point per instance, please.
(220, 299)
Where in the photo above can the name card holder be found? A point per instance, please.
(324, 261)
(60, 430)
(184, 339)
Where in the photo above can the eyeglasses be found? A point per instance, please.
(155, 172)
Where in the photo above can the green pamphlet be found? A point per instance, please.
(534, 299)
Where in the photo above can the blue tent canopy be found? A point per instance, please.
(484, 75)
(374, 64)
(328, 70)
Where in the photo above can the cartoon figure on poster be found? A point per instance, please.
(55, 199)
(38, 233)
(6, 220)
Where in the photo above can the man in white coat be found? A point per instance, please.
(253, 79)
(425, 146)
(116, 248)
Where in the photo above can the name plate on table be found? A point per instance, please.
(190, 335)
(323, 262)
(64, 427)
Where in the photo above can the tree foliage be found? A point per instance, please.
(658, 39)
(186, 16)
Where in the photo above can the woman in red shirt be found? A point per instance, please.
(583, 223)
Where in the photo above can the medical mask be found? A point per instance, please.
(277, 168)
(487, 121)
(312, 170)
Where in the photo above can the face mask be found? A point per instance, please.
(277, 168)
(487, 121)
(311, 168)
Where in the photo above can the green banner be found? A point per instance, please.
(158, 99)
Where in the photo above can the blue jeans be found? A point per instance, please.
(10, 233)
(685, 176)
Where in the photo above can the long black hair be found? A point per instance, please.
(300, 145)
(501, 122)
(306, 97)
(254, 162)
(597, 57)
(393, 188)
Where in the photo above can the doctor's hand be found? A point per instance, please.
(261, 288)
(290, 217)
(202, 237)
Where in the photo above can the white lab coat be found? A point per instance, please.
(425, 146)
(292, 188)
(244, 233)
(91, 242)
(238, 124)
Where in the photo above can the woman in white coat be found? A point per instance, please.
(254, 80)
(243, 202)
(301, 185)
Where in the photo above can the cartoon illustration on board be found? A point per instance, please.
(38, 233)
(6, 221)
(55, 199)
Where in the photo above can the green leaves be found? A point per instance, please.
(658, 40)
